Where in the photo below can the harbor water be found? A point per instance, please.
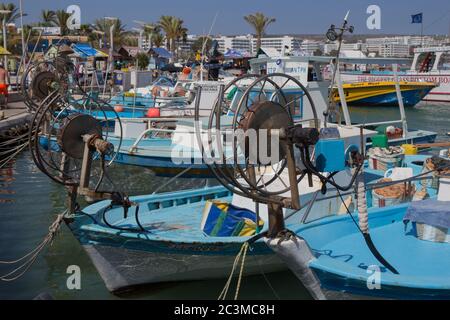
(29, 202)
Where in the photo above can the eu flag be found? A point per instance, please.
(417, 18)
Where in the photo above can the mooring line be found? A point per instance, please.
(242, 253)
(31, 257)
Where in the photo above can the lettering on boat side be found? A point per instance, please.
(226, 310)
(374, 279)
(74, 280)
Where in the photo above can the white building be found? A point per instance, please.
(241, 43)
(310, 46)
(394, 50)
(280, 43)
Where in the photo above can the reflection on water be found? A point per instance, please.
(34, 201)
(431, 117)
(29, 202)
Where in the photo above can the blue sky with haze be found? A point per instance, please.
(293, 16)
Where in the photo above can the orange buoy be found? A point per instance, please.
(153, 113)
(118, 108)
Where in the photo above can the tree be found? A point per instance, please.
(260, 23)
(197, 46)
(61, 21)
(104, 25)
(142, 60)
(174, 30)
(158, 39)
(48, 18)
(150, 31)
(13, 15)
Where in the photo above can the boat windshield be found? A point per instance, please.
(164, 81)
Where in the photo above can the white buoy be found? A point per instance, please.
(297, 255)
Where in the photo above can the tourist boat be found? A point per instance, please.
(384, 93)
(159, 238)
(429, 65)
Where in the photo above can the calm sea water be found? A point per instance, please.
(29, 203)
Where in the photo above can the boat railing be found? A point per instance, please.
(345, 109)
(145, 133)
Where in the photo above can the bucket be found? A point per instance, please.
(385, 163)
(391, 195)
(444, 189)
(410, 150)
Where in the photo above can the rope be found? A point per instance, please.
(31, 257)
(242, 253)
(8, 159)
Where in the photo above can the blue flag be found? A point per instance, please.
(417, 18)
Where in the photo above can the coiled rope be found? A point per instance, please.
(242, 254)
(30, 258)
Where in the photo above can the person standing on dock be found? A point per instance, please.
(4, 79)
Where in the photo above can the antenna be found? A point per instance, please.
(204, 45)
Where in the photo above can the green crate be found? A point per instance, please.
(380, 141)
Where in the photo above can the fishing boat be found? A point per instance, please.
(163, 92)
(429, 65)
(160, 238)
(384, 93)
(157, 143)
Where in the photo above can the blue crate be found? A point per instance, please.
(330, 155)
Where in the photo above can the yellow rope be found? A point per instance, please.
(242, 253)
(241, 273)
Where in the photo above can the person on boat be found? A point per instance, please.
(4, 83)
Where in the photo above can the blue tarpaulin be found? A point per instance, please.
(84, 50)
(162, 53)
(236, 54)
(430, 212)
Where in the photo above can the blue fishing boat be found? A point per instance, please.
(344, 265)
(159, 238)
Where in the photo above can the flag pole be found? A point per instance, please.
(421, 33)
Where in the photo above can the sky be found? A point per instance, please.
(293, 16)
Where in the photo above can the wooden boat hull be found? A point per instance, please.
(125, 269)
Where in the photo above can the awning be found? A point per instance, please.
(236, 54)
(162, 53)
(86, 51)
(4, 52)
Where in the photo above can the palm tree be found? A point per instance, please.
(150, 31)
(13, 15)
(158, 39)
(174, 30)
(104, 25)
(260, 23)
(85, 30)
(61, 21)
(48, 18)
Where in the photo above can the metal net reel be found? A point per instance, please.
(268, 110)
(46, 76)
(66, 143)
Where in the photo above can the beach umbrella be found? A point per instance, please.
(4, 52)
